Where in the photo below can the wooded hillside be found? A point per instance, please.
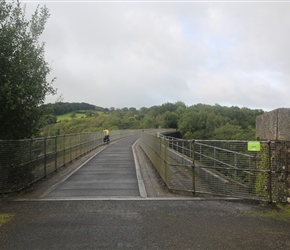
(61, 108)
(199, 121)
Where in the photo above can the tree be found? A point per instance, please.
(73, 115)
(23, 71)
(170, 120)
(228, 132)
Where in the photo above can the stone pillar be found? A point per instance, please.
(274, 125)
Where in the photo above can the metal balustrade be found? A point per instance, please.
(224, 168)
(168, 155)
(23, 162)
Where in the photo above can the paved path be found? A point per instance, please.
(140, 224)
(110, 173)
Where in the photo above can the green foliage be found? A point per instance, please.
(23, 71)
(61, 108)
(216, 122)
(195, 122)
(228, 131)
(279, 212)
(261, 182)
(4, 218)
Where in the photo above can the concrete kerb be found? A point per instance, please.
(141, 185)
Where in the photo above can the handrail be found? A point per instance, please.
(218, 167)
(23, 162)
(176, 170)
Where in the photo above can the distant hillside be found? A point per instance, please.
(61, 108)
(199, 121)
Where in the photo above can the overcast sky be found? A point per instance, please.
(146, 53)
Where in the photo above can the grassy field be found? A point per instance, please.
(68, 116)
(77, 115)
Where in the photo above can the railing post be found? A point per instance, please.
(235, 159)
(200, 153)
(30, 151)
(270, 170)
(55, 153)
(70, 149)
(64, 150)
(166, 160)
(183, 147)
(160, 155)
(193, 166)
(214, 156)
(44, 155)
(80, 144)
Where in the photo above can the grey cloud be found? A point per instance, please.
(145, 54)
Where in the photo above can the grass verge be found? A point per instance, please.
(279, 212)
(4, 218)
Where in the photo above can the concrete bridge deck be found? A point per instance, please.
(110, 173)
(119, 170)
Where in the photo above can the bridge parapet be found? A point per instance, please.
(23, 162)
(274, 125)
(225, 168)
(175, 168)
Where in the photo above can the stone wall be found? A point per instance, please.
(274, 125)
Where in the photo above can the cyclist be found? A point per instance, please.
(107, 136)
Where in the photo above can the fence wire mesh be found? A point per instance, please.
(174, 167)
(227, 168)
(216, 167)
(24, 162)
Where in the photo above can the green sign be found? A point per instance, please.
(254, 146)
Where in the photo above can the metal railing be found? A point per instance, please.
(224, 168)
(23, 162)
(217, 167)
(227, 168)
(185, 147)
(176, 170)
